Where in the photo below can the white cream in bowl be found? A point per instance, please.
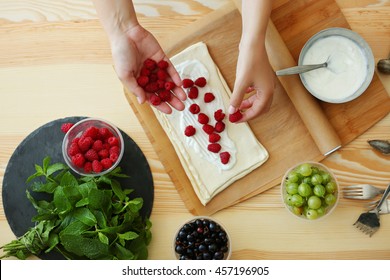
(349, 70)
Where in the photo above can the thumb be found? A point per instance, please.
(132, 85)
(237, 96)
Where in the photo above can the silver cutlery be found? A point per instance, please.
(361, 191)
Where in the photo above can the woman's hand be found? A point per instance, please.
(131, 45)
(129, 50)
(253, 75)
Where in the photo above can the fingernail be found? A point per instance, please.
(139, 100)
(232, 109)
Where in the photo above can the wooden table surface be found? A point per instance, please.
(55, 62)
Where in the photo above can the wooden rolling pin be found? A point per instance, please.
(319, 127)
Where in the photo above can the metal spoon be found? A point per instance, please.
(300, 69)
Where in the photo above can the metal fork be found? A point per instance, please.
(361, 191)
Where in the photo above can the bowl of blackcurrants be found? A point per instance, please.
(202, 238)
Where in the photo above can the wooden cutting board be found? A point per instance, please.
(282, 130)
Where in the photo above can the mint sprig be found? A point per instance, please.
(85, 218)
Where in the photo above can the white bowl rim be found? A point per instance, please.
(354, 36)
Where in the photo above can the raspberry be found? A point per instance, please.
(145, 72)
(208, 128)
(65, 127)
(187, 83)
(106, 146)
(214, 137)
(169, 85)
(142, 81)
(160, 84)
(193, 93)
(225, 156)
(114, 150)
(103, 154)
(97, 167)
(105, 132)
(152, 87)
(85, 143)
(73, 149)
(162, 75)
(208, 97)
(97, 145)
(75, 140)
(219, 127)
(88, 167)
(91, 155)
(106, 163)
(203, 118)
(113, 141)
(155, 100)
(194, 108)
(153, 77)
(235, 117)
(78, 160)
(219, 115)
(189, 131)
(165, 95)
(214, 147)
(200, 82)
(114, 157)
(162, 64)
(92, 132)
(150, 64)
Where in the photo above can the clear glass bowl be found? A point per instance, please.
(190, 226)
(77, 130)
(288, 190)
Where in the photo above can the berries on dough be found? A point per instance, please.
(187, 83)
(208, 128)
(219, 127)
(194, 108)
(225, 157)
(214, 137)
(200, 82)
(203, 118)
(214, 148)
(208, 97)
(189, 131)
(193, 93)
(219, 115)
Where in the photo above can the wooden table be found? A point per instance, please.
(55, 62)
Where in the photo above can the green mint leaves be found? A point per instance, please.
(86, 218)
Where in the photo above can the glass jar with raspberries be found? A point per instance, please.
(92, 147)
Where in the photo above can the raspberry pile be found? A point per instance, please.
(153, 78)
(95, 150)
(205, 121)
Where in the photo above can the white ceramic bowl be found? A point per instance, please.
(293, 204)
(198, 237)
(77, 131)
(323, 89)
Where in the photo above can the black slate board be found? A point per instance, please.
(47, 141)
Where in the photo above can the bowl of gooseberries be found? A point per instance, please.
(310, 190)
(202, 238)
